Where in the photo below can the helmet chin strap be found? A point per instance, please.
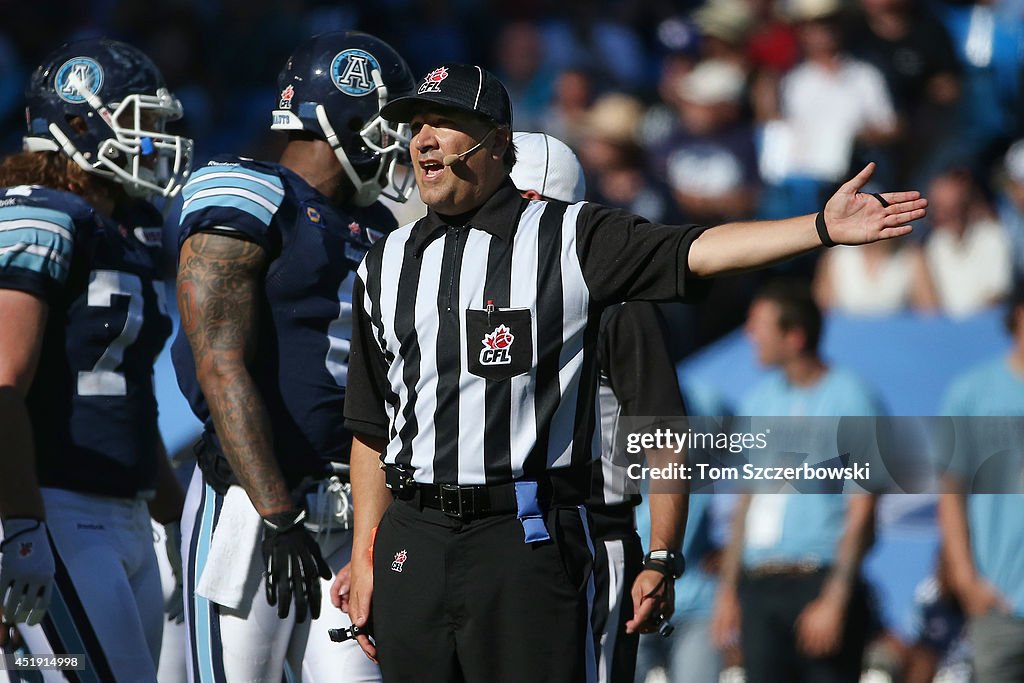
(366, 191)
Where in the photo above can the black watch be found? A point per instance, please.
(667, 562)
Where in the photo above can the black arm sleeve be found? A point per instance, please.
(636, 359)
(626, 257)
(367, 387)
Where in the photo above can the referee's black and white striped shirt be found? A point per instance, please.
(637, 380)
(474, 349)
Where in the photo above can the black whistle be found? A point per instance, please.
(340, 635)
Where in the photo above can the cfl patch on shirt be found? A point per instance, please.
(499, 343)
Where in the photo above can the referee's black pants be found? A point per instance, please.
(618, 560)
(471, 601)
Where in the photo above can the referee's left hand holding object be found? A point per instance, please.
(360, 595)
(653, 601)
(340, 588)
(294, 565)
(855, 217)
(26, 571)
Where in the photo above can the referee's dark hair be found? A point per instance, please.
(509, 159)
(797, 308)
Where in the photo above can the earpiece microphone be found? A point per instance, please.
(450, 159)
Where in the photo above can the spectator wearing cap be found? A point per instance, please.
(615, 163)
(711, 163)
(637, 380)
(679, 45)
(828, 105)
(473, 380)
(612, 123)
(724, 27)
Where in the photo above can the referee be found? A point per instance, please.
(637, 383)
(472, 378)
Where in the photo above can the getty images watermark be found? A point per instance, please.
(664, 440)
(877, 454)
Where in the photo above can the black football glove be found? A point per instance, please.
(294, 565)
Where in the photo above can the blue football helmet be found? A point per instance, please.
(104, 104)
(333, 86)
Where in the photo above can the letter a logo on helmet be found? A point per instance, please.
(351, 72)
(78, 75)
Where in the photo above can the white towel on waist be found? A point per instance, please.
(234, 566)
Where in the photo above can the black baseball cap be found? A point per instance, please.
(459, 86)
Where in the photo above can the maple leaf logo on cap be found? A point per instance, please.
(437, 75)
(432, 81)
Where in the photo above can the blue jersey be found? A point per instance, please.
(301, 361)
(996, 525)
(91, 403)
(802, 527)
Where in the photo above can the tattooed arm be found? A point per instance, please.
(219, 280)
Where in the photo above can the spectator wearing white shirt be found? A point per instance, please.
(968, 251)
(827, 104)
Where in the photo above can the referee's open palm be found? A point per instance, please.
(855, 217)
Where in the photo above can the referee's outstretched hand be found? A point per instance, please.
(855, 217)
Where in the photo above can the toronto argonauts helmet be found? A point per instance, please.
(104, 104)
(333, 86)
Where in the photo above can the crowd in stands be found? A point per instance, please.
(679, 111)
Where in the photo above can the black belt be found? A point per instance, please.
(468, 501)
(556, 487)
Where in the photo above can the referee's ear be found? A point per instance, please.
(503, 148)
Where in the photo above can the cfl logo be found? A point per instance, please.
(400, 557)
(497, 348)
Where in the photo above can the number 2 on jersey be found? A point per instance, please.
(104, 379)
